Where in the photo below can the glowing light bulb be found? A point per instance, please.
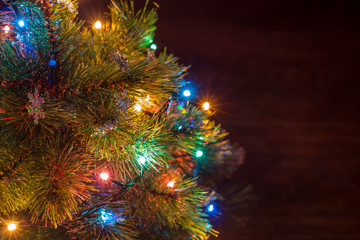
(153, 46)
(137, 107)
(11, 226)
(6, 29)
(148, 39)
(210, 208)
(104, 176)
(171, 184)
(21, 23)
(147, 98)
(52, 62)
(142, 160)
(206, 106)
(187, 93)
(97, 25)
(199, 153)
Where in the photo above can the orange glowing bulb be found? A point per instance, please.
(6, 29)
(104, 176)
(171, 184)
(97, 25)
(11, 226)
(206, 106)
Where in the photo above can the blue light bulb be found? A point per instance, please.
(107, 218)
(21, 23)
(210, 208)
(187, 93)
(52, 62)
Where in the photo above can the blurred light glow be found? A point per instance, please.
(187, 93)
(6, 29)
(171, 184)
(107, 218)
(104, 176)
(97, 25)
(153, 46)
(11, 226)
(147, 98)
(137, 107)
(142, 160)
(52, 62)
(21, 23)
(206, 106)
(199, 153)
(210, 208)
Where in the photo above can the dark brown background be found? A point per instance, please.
(284, 75)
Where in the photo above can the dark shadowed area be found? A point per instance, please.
(284, 77)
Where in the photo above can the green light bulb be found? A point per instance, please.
(199, 153)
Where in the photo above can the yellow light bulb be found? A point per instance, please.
(206, 106)
(137, 107)
(11, 226)
(147, 98)
(97, 25)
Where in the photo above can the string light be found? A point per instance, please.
(199, 153)
(6, 29)
(11, 226)
(142, 160)
(21, 23)
(206, 106)
(104, 176)
(52, 62)
(171, 184)
(107, 218)
(148, 39)
(187, 93)
(137, 107)
(147, 98)
(153, 46)
(210, 208)
(97, 25)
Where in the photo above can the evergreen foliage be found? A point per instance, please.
(76, 101)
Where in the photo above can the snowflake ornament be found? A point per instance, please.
(35, 110)
(150, 55)
(121, 60)
(102, 131)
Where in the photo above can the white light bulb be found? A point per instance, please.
(11, 227)
(98, 25)
(104, 176)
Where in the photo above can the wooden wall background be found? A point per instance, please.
(285, 76)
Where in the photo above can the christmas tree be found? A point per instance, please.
(99, 137)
